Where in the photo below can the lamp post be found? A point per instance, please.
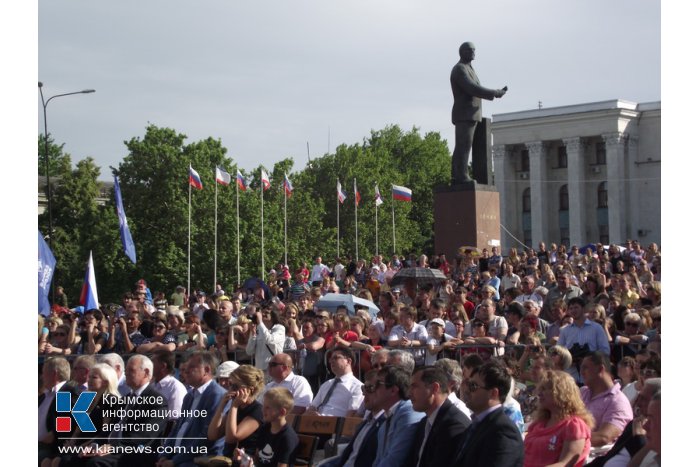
(46, 151)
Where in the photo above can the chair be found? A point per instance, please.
(350, 425)
(318, 425)
(292, 420)
(306, 450)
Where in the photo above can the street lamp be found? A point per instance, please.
(46, 151)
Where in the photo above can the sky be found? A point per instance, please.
(268, 77)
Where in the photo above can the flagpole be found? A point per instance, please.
(238, 237)
(284, 195)
(337, 224)
(262, 228)
(376, 226)
(216, 224)
(189, 233)
(393, 223)
(354, 185)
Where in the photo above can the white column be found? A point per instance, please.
(538, 191)
(615, 158)
(503, 182)
(576, 163)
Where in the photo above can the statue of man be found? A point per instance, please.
(466, 111)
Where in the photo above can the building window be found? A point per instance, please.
(600, 156)
(603, 195)
(564, 198)
(526, 202)
(527, 237)
(562, 160)
(524, 160)
(604, 235)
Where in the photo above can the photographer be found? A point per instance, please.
(266, 335)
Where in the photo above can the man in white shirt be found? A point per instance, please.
(342, 395)
(173, 390)
(509, 280)
(528, 287)
(409, 334)
(318, 272)
(280, 367)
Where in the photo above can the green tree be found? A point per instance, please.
(59, 162)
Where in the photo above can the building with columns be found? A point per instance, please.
(579, 174)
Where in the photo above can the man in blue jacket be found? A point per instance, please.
(198, 409)
(397, 434)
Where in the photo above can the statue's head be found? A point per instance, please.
(466, 51)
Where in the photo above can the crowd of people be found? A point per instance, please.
(532, 358)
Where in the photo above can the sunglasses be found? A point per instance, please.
(369, 388)
(275, 364)
(635, 325)
(478, 325)
(472, 386)
(60, 334)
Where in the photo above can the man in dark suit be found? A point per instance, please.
(439, 432)
(144, 422)
(55, 372)
(362, 448)
(191, 430)
(466, 111)
(492, 439)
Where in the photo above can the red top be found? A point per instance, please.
(349, 336)
(543, 445)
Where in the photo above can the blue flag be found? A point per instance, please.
(47, 264)
(127, 242)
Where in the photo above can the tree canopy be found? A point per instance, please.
(154, 182)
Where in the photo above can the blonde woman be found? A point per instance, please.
(102, 379)
(560, 434)
(240, 424)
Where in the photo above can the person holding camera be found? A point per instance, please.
(266, 336)
(583, 336)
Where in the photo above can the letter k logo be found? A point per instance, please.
(79, 412)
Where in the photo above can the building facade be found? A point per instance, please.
(579, 174)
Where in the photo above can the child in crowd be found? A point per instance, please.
(277, 444)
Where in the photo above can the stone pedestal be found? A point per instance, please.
(466, 215)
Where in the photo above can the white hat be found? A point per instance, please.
(438, 321)
(225, 369)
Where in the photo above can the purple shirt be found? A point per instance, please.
(611, 406)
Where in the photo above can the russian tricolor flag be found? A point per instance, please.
(222, 177)
(401, 193)
(265, 180)
(195, 181)
(240, 181)
(342, 196)
(288, 188)
(88, 296)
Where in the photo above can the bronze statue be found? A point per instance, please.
(466, 111)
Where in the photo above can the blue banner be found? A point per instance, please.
(47, 264)
(127, 241)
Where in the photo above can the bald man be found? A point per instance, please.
(280, 367)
